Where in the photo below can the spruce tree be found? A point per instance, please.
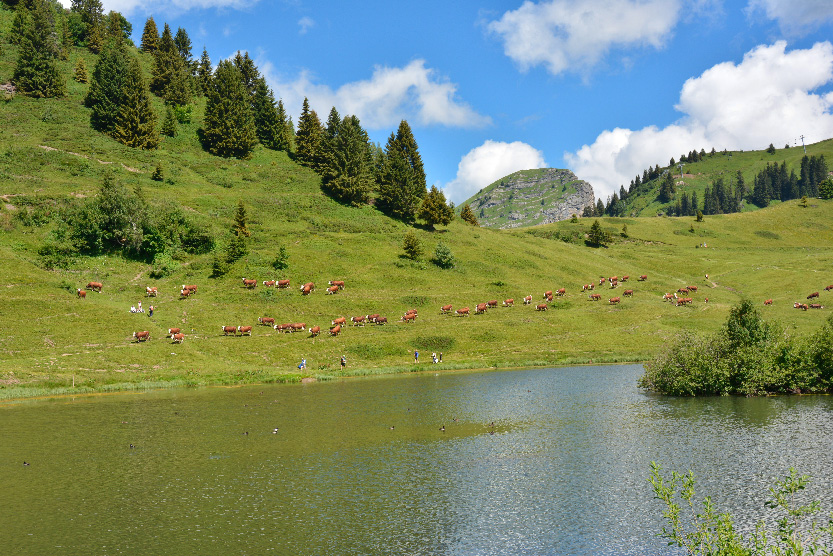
(597, 236)
(228, 128)
(204, 73)
(309, 137)
(283, 139)
(467, 215)
(20, 23)
(92, 15)
(267, 123)
(170, 124)
(346, 172)
(158, 173)
(248, 71)
(412, 246)
(118, 27)
(241, 227)
(434, 209)
(150, 37)
(170, 80)
(36, 72)
(183, 46)
(600, 208)
(402, 186)
(135, 124)
(81, 71)
(95, 37)
(106, 86)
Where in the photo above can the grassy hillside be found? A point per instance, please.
(50, 339)
(698, 175)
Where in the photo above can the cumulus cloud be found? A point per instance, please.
(770, 97)
(794, 18)
(415, 93)
(489, 162)
(575, 34)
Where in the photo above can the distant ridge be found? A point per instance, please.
(531, 197)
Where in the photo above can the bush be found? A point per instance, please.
(443, 257)
(163, 265)
(281, 262)
(412, 246)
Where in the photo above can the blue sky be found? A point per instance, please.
(605, 88)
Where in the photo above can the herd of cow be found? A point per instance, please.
(678, 298)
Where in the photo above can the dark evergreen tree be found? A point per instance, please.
(135, 124)
(20, 23)
(228, 129)
(95, 37)
(587, 212)
(672, 162)
(600, 208)
(183, 47)
(248, 71)
(695, 204)
(81, 71)
(170, 125)
(622, 193)
(467, 215)
(771, 149)
(402, 185)
(412, 246)
(346, 170)
(150, 37)
(667, 189)
(92, 15)
(170, 77)
(434, 209)
(106, 86)
(241, 227)
(308, 140)
(707, 201)
(610, 209)
(267, 123)
(597, 237)
(158, 173)
(826, 189)
(284, 137)
(118, 28)
(204, 73)
(36, 72)
(684, 205)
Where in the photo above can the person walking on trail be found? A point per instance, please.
(416, 356)
(343, 362)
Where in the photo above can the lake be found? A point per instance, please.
(541, 461)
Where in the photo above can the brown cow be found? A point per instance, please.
(527, 300)
(411, 312)
(491, 304)
(812, 295)
(682, 290)
(561, 291)
(249, 283)
(381, 320)
(314, 331)
(245, 330)
(177, 338)
(297, 327)
(151, 291)
(269, 283)
(283, 284)
(548, 298)
(614, 300)
(643, 277)
(601, 281)
(185, 293)
(480, 308)
(332, 290)
(94, 286)
(768, 302)
(669, 297)
(358, 321)
(816, 306)
(229, 330)
(614, 278)
(81, 293)
(285, 327)
(268, 321)
(547, 294)
(335, 330)
(509, 302)
(595, 296)
(172, 331)
(628, 293)
(625, 278)
(692, 288)
(372, 318)
(308, 286)
(408, 317)
(191, 287)
(141, 336)
(803, 306)
(340, 320)
(828, 288)
(446, 309)
(463, 311)
(541, 307)
(339, 283)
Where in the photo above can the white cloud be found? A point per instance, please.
(770, 97)
(489, 162)
(305, 24)
(794, 17)
(414, 93)
(128, 7)
(575, 34)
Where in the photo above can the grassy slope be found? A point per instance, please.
(50, 338)
(699, 175)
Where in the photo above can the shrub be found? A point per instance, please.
(281, 262)
(443, 257)
(163, 265)
(412, 246)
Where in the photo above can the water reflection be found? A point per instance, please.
(562, 469)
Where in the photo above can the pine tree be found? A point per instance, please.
(150, 37)
(204, 73)
(95, 37)
(667, 188)
(467, 215)
(118, 28)
(92, 15)
(135, 124)
(170, 78)
(158, 173)
(412, 246)
(228, 128)
(283, 139)
(20, 23)
(346, 171)
(600, 208)
(170, 126)
(309, 137)
(267, 123)
(281, 262)
(106, 86)
(402, 186)
(434, 209)
(597, 236)
(81, 71)
(183, 46)
(248, 71)
(36, 72)
(240, 227)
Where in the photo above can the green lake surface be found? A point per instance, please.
(531, 462)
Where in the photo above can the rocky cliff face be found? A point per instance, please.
(531, 197)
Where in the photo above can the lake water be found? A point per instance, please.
(562, 471)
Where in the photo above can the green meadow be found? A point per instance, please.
(53, 342)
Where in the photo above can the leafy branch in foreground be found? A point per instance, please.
(708, 532)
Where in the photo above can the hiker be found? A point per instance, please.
(150, 311)
(434, 358)
(416, 356)
(303, 364)
(140, 310)
(441, 357)
(343, 362)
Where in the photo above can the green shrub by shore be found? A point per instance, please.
(747, 356)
